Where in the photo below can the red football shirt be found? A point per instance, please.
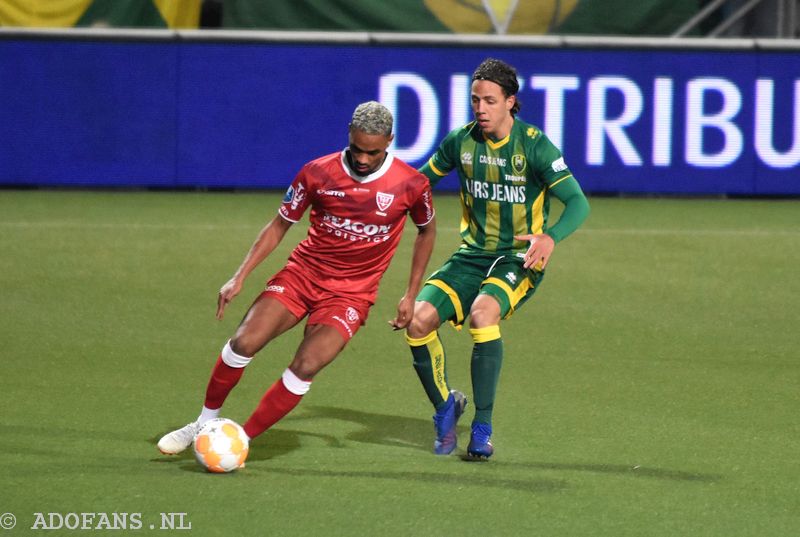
(356, 222)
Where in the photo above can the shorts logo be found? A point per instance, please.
(511, 277)
(352, 315)
(275, 288)
(344, 324)
(383, 200)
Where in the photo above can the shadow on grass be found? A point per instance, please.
(618, 469)
(416, 434)
(481, 482)
(379, 429)
(382, 429)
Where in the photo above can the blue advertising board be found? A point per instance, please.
(248, 114)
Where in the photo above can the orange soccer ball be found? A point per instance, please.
(221, 445)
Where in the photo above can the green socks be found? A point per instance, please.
(429, 363)
(487, 358)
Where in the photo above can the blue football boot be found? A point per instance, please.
(445, 421)
(480, 443)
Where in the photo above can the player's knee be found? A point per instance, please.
(244, 345)
(305, 368)
(425, 321)
(484, 313)
(482, 319)
(415, 329)
(234, 359)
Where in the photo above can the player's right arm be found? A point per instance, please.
(443, 160)
(271, 235)
(292, 208)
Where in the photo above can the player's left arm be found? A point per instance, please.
(269, 238)
(565, 188)
(424, 216)
(576, 209)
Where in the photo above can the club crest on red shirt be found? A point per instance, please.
(384, 200)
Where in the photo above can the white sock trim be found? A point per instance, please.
(294, 384)
(232, 359)
(207, 414)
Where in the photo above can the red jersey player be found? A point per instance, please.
(359, 199)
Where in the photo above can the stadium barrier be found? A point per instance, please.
(244, 109)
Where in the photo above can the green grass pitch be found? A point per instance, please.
(651, 388)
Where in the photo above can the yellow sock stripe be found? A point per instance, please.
(436, 352)
(419, 342)
(453, 298)
(482, 335)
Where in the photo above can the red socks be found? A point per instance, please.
(279, 400)
(223, 379)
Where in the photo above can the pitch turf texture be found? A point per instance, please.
(649, 389)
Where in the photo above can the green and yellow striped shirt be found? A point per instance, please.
(505, 184)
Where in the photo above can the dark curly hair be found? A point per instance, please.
(503, 75)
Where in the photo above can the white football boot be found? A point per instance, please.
(179, 439)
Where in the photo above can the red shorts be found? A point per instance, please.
(302, 296)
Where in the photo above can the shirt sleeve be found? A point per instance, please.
(557, 177)
(422, 210)
(296, 199)
(576, 208)
(549, 162)
(443, 161)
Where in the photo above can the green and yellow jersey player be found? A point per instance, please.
(508, 170)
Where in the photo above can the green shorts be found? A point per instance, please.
(453, 288)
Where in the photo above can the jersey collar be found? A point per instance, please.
(501, 142)
(377, 174)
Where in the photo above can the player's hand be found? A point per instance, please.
(539, 252)
(405, 312)
(227, 293)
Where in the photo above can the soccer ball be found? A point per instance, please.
(221, 445)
